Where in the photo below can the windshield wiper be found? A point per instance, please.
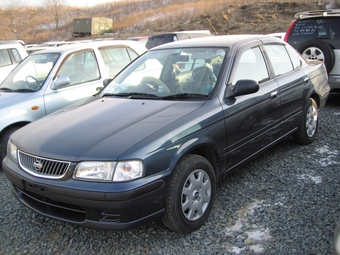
(133, 95)
(185, 95)
(16, 90)
(24, 90)
(5, 89)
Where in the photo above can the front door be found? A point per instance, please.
(252, 121)
(82, 70)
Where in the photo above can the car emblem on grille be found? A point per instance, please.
(37, 165)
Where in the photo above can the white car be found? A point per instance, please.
(280, 35)
(10, 55)
(48, 80)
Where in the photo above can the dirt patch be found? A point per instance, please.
(257, 18)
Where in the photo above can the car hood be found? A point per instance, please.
(9, 98)
(14, 104)
(101, 129)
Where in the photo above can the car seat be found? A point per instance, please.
(204, 79)
(79, 72)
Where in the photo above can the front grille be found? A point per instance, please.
(43, 167)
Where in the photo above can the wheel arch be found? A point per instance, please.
(5, 134)
(315, 97)
(17, 124)
(209, 151)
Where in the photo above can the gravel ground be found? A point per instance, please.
(284, 202)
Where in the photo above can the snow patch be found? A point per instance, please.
(316, 179)
(328, 156)
(255, 237)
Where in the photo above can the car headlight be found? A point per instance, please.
(12, 151)
(109, 171)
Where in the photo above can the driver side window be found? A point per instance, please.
(80, 68)
(251, 66)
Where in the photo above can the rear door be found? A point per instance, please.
(292, 78)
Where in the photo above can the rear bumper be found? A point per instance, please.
(334, 81)
(91, 206)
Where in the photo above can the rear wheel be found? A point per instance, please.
(191, 195)
(307, 130)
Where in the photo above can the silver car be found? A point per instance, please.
(51, 79)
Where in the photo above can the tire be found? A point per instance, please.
(191, 195)
(318, 50)
(4, 140)
(307, 130)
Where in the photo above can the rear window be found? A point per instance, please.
(154, 41)
(318, 28)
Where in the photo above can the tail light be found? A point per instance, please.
(289, 30)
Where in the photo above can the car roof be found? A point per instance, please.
(207, 32)
(216, 41)
(10, 45)
(93, 44)
(318, 13)
(12, 41)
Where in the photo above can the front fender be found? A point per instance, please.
(209, 139)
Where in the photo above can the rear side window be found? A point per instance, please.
(117, 58)
(294, 58)
(5, 58)
(279, 58)
(16, 56)
(132, 53)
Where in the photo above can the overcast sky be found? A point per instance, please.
(80, 3)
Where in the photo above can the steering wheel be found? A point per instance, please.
(154, 83)
(32, 82)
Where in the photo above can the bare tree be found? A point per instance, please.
(10, 10)
(55, 7)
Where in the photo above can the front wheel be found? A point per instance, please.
(307, 130)
(191, 195)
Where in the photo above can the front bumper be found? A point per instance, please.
(116, 206)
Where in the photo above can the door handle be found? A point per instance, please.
(305, 80)
(273, 94)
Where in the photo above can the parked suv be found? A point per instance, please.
(51, 79)
(159, 39)
(316, 35)
(10, 55)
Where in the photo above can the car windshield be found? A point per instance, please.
(170, 74)
(30, 74)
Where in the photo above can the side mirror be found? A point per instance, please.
(60, 82)
(106, 82)
(245, 87)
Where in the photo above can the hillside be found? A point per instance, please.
(140, 17)
(261, 17)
